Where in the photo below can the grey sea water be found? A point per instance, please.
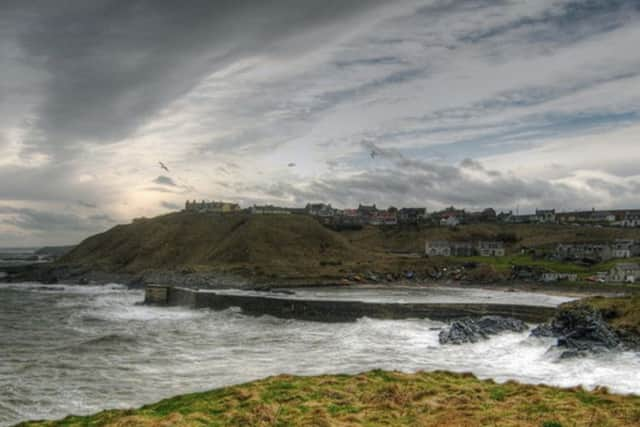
(70, 349)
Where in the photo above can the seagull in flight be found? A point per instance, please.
(163, 166)
(373, 154)
(292, 165)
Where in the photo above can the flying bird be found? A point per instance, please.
(163, 166)
(292, 165)
(373, 154)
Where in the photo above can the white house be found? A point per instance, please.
(625, 272)
(493, 249)
(450, 221)
(437, 248)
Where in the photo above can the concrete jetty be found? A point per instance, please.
(336, 310)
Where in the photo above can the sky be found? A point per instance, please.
(511, 104)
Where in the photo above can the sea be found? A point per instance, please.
(80, 349)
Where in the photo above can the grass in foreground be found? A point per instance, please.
(378, 398)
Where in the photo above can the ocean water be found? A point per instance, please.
(77, 350)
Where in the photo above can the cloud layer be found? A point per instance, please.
(474, 103)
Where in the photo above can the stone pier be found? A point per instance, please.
(337, 310)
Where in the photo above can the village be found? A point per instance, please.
(581, 253)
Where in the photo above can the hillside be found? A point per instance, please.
(377, 398)
(201, 242)
(299, 249)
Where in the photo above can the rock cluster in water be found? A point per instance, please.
(470, 330)
(580, 330)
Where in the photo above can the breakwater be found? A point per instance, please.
(337, 310)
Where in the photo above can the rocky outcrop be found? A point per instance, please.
(580, 330)
(473, 330)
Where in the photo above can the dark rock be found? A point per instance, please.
(543, 331)
(580, 330)
(473, 330)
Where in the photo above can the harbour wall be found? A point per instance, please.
(337, 310)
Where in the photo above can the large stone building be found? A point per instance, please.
(584, 251)
(211, 207)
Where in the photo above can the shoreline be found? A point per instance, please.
(82, 275)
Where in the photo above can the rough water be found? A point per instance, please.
(66, 349)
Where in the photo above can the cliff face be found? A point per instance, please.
(199, 242)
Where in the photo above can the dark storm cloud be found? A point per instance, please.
(165, 180)
(576, 19)
(112, 63)
(87, 204)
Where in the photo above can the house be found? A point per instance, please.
(438, 248)
(464, 249)
(411, 215)
(450, 221)
(366, 212)
(452, 216)
(625, 248)
(556, 277)
(545, 216)
(492, 249)
(384, 218)
(581, 251)
(625, 273)
(320, 209)
(446, 248)
(630, 220)
(211, 207)
(487, 215)
(269, 210)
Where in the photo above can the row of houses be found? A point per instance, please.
(616, 218)
(620, 273)
(464, 249)
(451, 217)
(621, 248)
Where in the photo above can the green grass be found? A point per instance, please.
(376, 398)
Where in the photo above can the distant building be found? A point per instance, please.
(437, 248)
(211, 207)
(320, 209)
(546, 216)
(383, 218)
(582, 251)
(269, 210)
(487, 215)
(447, 248)
(556, 277)
(490, 249)
(625, 272)
(624, 248)
(366, 211)
(630, 220)
(411, 215)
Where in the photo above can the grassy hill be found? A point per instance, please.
(202, 242)
(297, 247)
(377, 398)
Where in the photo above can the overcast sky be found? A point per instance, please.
(503, 103)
